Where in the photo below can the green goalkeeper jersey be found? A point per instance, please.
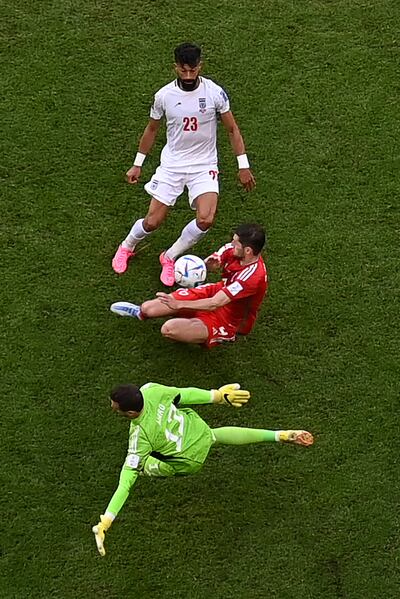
(166, 430)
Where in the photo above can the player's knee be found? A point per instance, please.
(152, 222)
(168, 330)
(206, 221)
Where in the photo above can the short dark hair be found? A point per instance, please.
(128, 397)
(187, 54)
(251, 235)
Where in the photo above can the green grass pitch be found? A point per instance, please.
(314, 85)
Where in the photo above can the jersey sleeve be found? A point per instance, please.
(157, 110)
(126, 481)
(139, 449)
(221, 100)
(242, 287)
(181, 396)
(225, 253)
(193, 395)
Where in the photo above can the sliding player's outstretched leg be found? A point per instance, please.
(233, 435)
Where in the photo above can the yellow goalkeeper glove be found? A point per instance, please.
(100, 532)
(231, 394)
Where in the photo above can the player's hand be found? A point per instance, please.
(100, 532)
(168, 300)
(232, 395)
(213, 262)
(132, 176)
(247, 179)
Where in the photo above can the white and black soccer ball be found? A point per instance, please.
(190, 271)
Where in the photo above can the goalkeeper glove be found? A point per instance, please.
(231, 394)
(99, 533)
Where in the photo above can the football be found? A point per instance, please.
(190, 271)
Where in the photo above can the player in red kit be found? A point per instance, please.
(215, 312)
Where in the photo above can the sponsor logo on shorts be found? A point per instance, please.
(221, 335)
(221, 331)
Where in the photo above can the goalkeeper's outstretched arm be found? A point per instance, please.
(230, 394)
(126, 481)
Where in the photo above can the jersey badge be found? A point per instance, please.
(132, 460)
(234, 288)
(202, 105)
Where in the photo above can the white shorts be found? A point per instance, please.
(166, 185)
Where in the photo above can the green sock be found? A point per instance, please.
(234, 435)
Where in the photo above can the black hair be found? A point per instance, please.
(251, 235)
(128, 397)
(189, 54)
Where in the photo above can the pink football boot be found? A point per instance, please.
(167, 276)
(120, 260)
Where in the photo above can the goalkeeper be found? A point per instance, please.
(166, 438)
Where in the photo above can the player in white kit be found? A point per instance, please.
(190, 105)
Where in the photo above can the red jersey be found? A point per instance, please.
(245, 285)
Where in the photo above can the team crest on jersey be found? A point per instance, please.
(154, 184)
(202, 105)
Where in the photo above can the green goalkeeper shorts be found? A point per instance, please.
(180, 467)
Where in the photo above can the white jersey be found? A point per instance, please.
(191, 119)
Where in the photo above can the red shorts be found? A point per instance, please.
(219, 330)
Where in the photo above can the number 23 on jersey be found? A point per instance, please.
(190, 123)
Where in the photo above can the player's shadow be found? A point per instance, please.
(193, 365)
(139, 352)
(238, 496)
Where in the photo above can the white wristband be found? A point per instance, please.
(243, 161)
(139, 159)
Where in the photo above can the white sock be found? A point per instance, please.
(190, 235)
(136, 234)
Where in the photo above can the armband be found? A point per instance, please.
(139, 159)
(243, 161)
